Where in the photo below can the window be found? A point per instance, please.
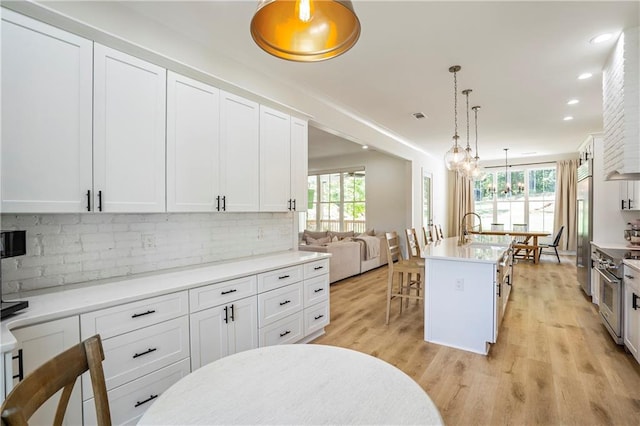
(337, 201)
(531, 199)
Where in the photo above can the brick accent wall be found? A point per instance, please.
(66, 249)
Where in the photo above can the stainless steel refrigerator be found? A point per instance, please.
(584, 211)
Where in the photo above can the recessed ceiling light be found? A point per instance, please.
(585, 75)
(568, 118)
(573, 102)
(365, 146)
(601, 38)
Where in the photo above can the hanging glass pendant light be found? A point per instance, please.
(467, 161)
(507, 185)
(455, 156)
(476, 172)
(305, 30)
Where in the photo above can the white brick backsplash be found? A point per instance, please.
(65, 249)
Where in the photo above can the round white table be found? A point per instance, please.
(294, 384)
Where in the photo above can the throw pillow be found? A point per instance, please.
(371, 232)
(314, 235)
(342, 235)
(334, 239)
(318, 241)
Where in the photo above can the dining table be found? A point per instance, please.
(528, 243)
(294, 384)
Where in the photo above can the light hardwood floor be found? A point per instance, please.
(554, 362)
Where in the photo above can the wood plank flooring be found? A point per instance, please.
(554, 362)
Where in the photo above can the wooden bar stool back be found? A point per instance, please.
(428, 236)
(413, 245)
(59, 373)
(409, 273)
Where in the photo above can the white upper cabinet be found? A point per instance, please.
(239, 154)
(193, 127)
(299, 163)
(275, 158)
(129, 133)
(46, 117)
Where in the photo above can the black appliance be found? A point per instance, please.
(12, 243)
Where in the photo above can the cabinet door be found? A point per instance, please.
(631, 315)
(41, 342)
(633, 195)
(299, 163)
(244, 334)
(239, 154)
(209, 335)
(46, 117)
(193, 123)
(275, 159)
(129, 133)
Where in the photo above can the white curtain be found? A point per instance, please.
(565, 212)
(460, 201)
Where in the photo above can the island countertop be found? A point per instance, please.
(480, 248)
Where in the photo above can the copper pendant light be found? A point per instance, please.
(305, 30)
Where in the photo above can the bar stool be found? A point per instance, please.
(410, 275)
(413, 245)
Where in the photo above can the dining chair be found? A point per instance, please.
(553, 245)
(497, 226)
(521, 243)
(59, 373)
(413, 245)
(409, 273)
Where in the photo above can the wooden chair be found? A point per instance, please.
(60, 372)
(413, 245)
(427, 235)
(410, 274)
(553, 245)
(521, 244)
(440, 234)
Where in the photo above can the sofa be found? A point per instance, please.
(351, 253)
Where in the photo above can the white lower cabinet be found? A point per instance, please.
(287, 330)
(223, 330)
(128, 403)
(36, 345)
(632, 311)
(316, 317)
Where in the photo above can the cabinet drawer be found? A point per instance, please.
(316, 290)
(287, 330)
(221, 293)
(141, 352)
(279, 303)
(129, 402)
(631, 277)
(133, 316)
(313, 269)
(279, 278)
(316, 317)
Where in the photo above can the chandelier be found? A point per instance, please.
(305, 30)
(507, 186)
(454, 158)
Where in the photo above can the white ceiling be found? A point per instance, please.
(521, 59)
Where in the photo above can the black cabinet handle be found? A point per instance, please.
(226, 315)
(318, 267)
(88, 200)
(152, 311)
(20, 359)
(289, 204)
(218, 203)
(629, 276)
(318, 290)
(151, 398)
(499, 289)
(318, 317)
(294, 204)
(232, 313)
(285, 302)
(629, 204)
(224, 203)
(99, 201)
(285, 333)
(623, 204)
(148, 351)
(233, 290)
(283, 277)
(634, 303)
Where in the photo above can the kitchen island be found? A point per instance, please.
(467, 288)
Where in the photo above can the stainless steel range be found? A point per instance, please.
(608, 263)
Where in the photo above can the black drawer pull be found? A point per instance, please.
(285, 333)
(229, 291)
(285, 302)
(153, 311)
(89, 200)
(634, 303)
(148, 351)
(318, 317)
(20, 359)
(318, 290)
(629, 276)
(151, 398)
(318, 267)
(283, 277)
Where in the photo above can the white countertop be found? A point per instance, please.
(61, 302)
(295, 385)
(616, 245)
(635, 264)
(481, 248)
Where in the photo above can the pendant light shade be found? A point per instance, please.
(305, 30)
(455, 157)
(476, 172)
